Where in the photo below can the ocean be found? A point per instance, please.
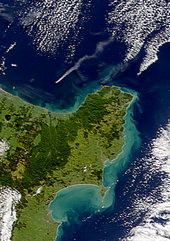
(82, 45)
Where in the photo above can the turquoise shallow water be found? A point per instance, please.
(132, 142)
(34, 80)
(73, 200)
(77, 201)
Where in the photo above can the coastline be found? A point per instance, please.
(109, 197)
(90, 143)
(113, 170)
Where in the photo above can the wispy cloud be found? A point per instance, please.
(99, 49)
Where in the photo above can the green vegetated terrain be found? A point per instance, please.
(54, 151)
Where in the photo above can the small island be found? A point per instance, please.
(50, 151)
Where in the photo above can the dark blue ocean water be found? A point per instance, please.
(97, 58)
(117, 221)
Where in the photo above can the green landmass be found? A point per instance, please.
(54, 151)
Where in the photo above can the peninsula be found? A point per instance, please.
(50, 151)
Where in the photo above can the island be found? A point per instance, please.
(48, 151)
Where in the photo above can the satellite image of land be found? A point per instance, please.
(48, 151)
(84, 120)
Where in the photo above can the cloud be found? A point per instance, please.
(5, 12)
(114, 72)
(99, 49)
